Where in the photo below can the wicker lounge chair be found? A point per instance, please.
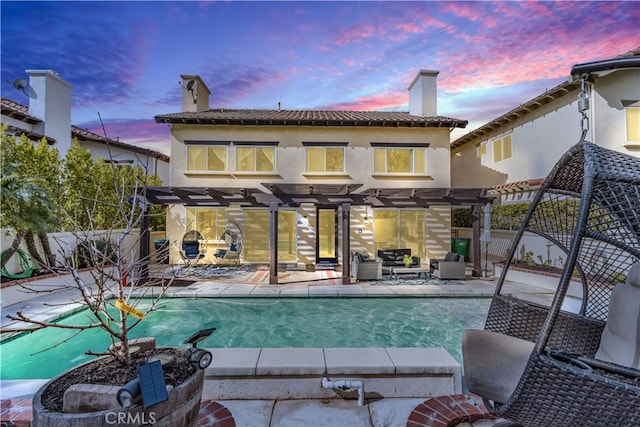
(544, 366)
(193, 247)
(233, 250)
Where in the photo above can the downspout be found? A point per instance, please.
(345, 385)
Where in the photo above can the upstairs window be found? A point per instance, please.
(206, 156)
(324, 158)
(481, 149)
(400, 160)
(502, 148)
(633, 124)
(255, 158)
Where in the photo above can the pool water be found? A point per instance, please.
(260, 322)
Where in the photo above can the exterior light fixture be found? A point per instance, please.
(129, 394)
(199, 357)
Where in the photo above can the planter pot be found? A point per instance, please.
(180, 409)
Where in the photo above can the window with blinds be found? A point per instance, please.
(633, 124)
(255, 159)
(400, 228)
(206, 158)
(502, 148)
(399, 160)
(256, 235)
(325, 159)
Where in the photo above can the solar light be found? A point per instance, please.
(199, 336)
(199, 357)
(129, 394)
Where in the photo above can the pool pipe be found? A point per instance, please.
(346, 385)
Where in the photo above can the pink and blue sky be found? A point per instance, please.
(124, 59)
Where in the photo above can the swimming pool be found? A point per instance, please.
(262, 322)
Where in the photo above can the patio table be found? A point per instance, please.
(410, 270)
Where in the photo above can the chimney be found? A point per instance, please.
(195, 94)
(423, 94)
(52, 105)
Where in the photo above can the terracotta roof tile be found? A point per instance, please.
(308, 118)
(21, 112)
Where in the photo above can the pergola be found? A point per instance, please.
(343, 195)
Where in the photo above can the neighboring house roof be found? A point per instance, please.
(516, 186)
(522, 110)
(222, 116)
(21, 112)
(85, 135)
(537, 102)
(18, 111)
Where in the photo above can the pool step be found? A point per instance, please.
(296, 373)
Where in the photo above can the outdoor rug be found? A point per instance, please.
(214, 271)
(412, 280)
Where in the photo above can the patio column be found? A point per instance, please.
(144, 242)
(346, 249)
(273, 243)
(477, 268)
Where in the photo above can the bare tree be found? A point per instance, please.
(107, 272)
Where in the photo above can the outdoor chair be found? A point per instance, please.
(363, 268)
(233, 249)
(193, 247)
(539, 365)
(451, 267)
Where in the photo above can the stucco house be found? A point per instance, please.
(310, 187)
(514, 152)
(48, 115)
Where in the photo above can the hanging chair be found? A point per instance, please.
(547, 366)
(233, 241)
(193, 247)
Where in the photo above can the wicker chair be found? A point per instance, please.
(553, 367)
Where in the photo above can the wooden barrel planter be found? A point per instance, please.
(180, 409)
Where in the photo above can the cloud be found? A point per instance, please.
(101, 57)
(232, 83)
(145, 133)
(385, 101)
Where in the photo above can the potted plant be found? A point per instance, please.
(407, 260)
(109, 280)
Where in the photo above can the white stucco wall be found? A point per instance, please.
(542, 136)
(290, 155)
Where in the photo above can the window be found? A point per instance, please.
(502, 148)
(400, 228)
(256, 235)
(399, 160)
(255, 159)
(325, 159)
(206, 158)
(481, 149)
(633, 124)
(210, 222)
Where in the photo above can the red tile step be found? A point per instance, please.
(448, 411)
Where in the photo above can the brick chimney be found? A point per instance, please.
(195, 94)
(423, 94)
(51, 103)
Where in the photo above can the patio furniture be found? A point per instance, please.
(363, 268)
(193, 247)
(395, 258)
(233, 250)
(545, 366)
(452, 266)
(409, 270)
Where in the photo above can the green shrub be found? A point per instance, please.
(90, 253)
